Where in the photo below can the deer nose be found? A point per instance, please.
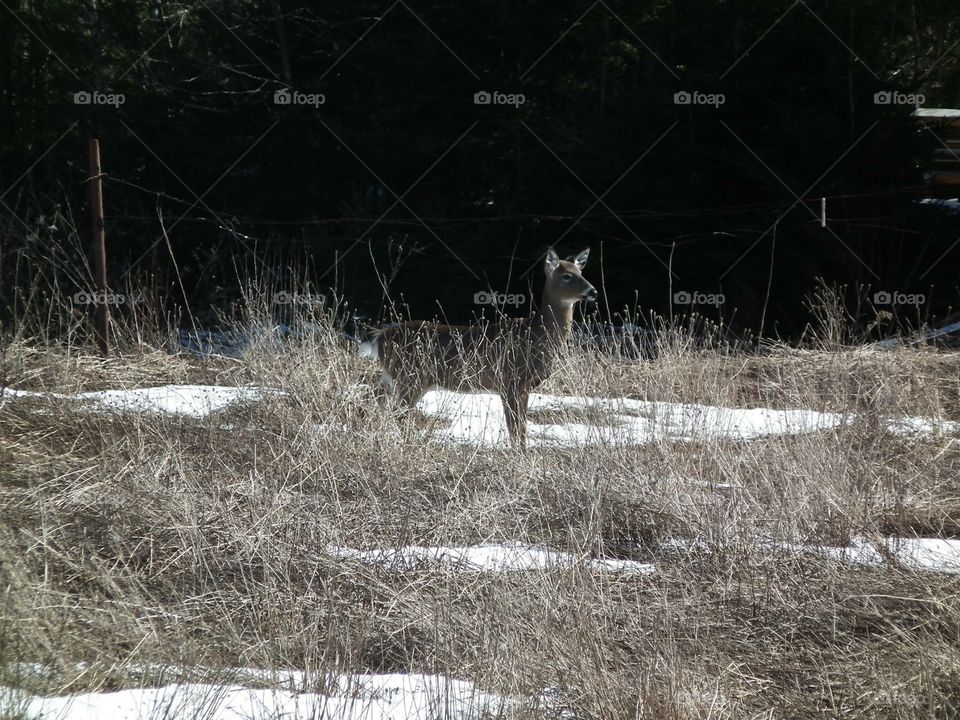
(591, 294)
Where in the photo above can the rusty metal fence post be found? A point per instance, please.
(99, 247)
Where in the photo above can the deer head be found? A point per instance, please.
(566, 285)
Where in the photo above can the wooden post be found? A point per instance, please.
(99, 246)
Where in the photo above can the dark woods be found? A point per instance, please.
(438, 148)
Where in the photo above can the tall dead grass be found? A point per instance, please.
(139, 548)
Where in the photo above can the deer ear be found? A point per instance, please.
(581, 259)
(552, 261)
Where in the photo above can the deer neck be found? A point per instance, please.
(555, 319)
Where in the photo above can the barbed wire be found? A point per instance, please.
(875, 222)
(538, 217)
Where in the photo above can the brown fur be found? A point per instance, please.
(510, 358)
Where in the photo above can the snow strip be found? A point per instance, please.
(860, 551)
(478, 418)
(497, 558)
(188, 400)
(920, 554)
(936, 554)
(356, 697)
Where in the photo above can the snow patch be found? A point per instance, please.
(920, 554)
(936, 554)
(349, 697)
(478, 418)
(188, 400)
(497, 558)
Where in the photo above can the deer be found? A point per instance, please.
(510, 357)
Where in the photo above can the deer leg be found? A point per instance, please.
(385, 388)
(406, 392)
(515, 413)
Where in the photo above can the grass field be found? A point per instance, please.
(145, 549)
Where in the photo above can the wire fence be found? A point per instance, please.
(268, 246)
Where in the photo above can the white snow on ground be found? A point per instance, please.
(920, 426)
(860, 551)
(938, 554)
(922, 554)
(190, 400)
(508, 557)
(478, 418)
(353, 697)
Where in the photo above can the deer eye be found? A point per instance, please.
(567, 276)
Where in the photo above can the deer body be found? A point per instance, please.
(509, 358)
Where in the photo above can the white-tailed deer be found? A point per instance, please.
(510, 358)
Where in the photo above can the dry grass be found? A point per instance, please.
(138, 540)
